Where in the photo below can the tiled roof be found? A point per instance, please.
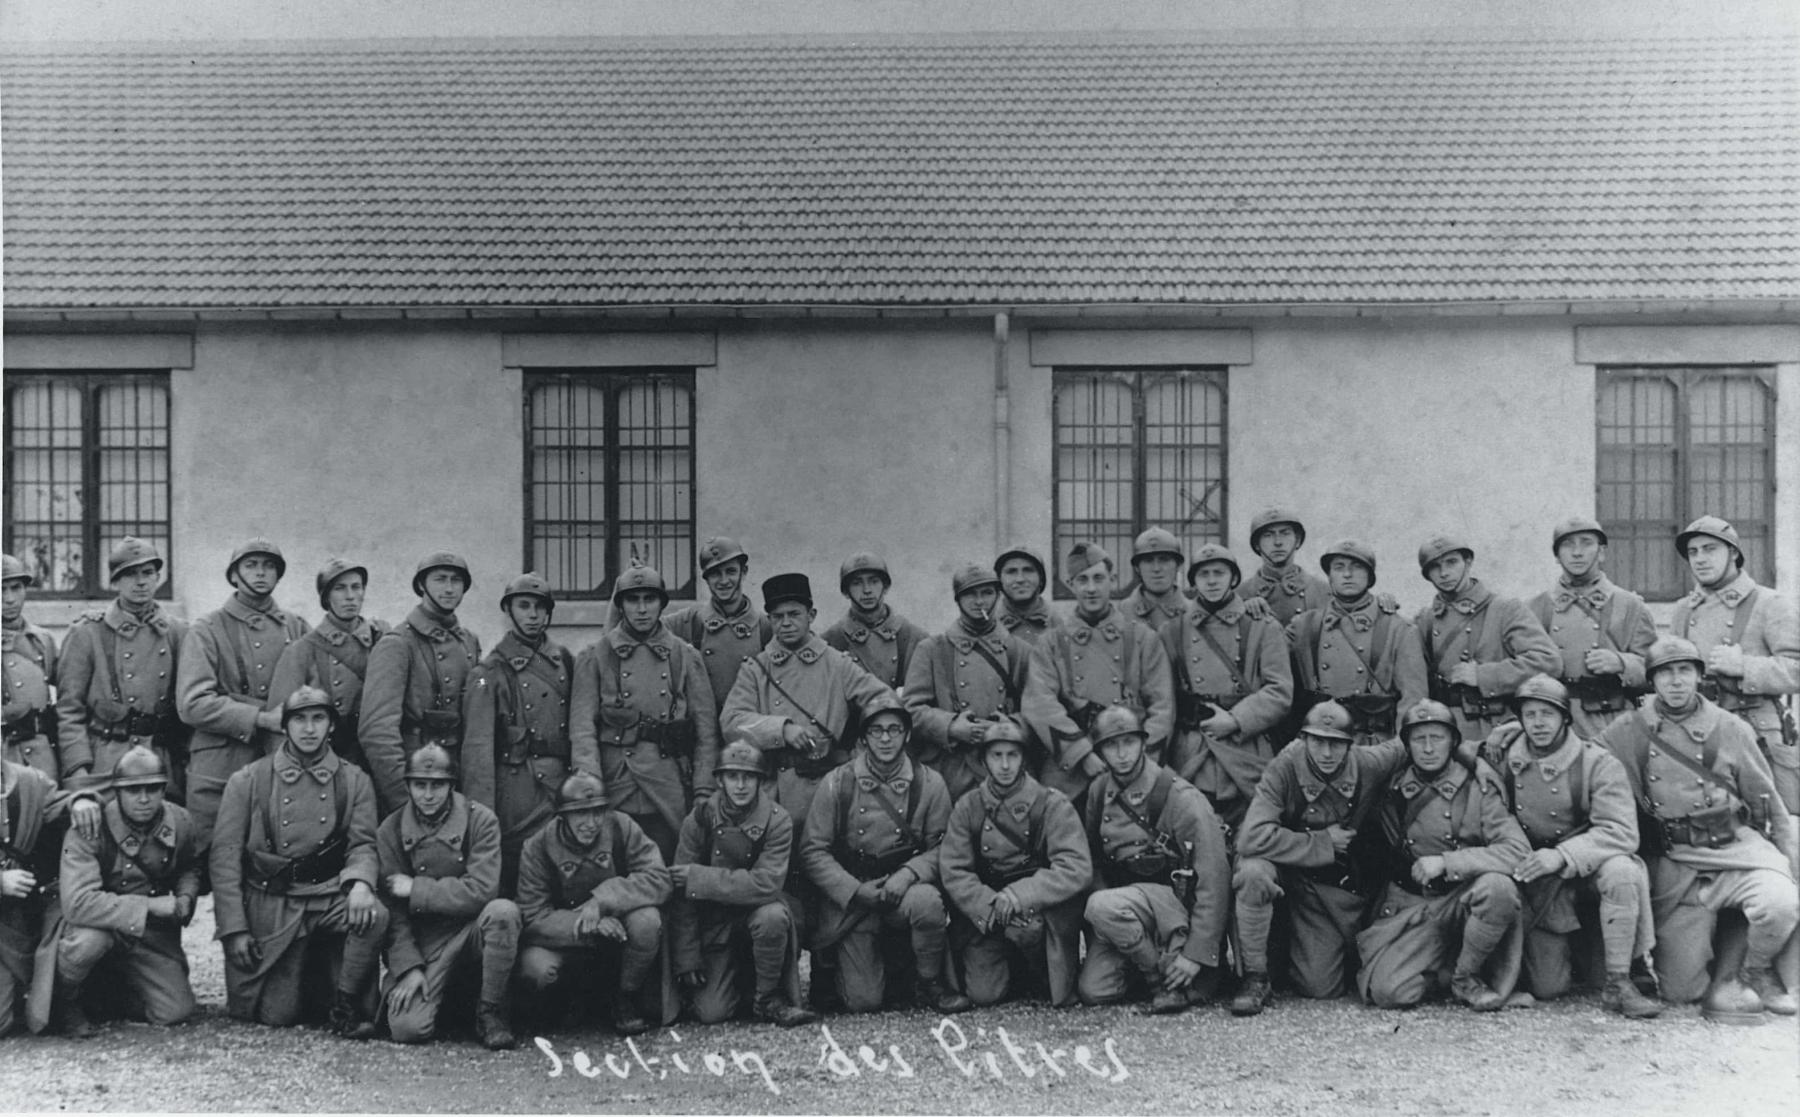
(923, 171)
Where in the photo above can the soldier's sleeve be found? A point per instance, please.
(1071, 867)
(74, 677)
(818, 838)
(834, 637)
(1779, 671)
(187, 879)
(931, 717)
(956, 857)
(545, 924)
(1621, 738)
(360, 860)
(1195, 822)
(1756, 784)
(742, 716)
(683, 918)
(860, 688)
(230, 831)
(1503, 843)
(910, 637)
(200, 698)
(464, 896)
(1529, 650)
(1263, 708)
(1263, 835)
(383, 705)
(645, 883)
(85, 900)
(750, 887)
(402, 947)
(1640, 633)
(480, 757)
(1412, 676)
(933, 816)
(584, 711)
(1612, 815)
(292, 671)
(1044, 712)
(703, 713)
(1156, 686)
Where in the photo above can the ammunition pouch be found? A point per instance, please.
(1192, 709)
(37, 723)
(136, 723)
(866, 868)
(277, 875)
(1712, 828)
(1082, 713)
(671, 738)
(525, 745)
(1728, 697)
(1599, 694)
(1370, 713)
(998, 880)
(1345, 874)
(1468, 699)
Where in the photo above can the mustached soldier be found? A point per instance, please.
(27, 668)
(334, 657)
(32, 810)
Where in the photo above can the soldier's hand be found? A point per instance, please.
(1221, 724)
(241, 951)
(1256, 608)
(794, 737)
(160, 907)
(399, 886)
(269, 720)
(16, 884)
(406, 990)
(702, 794)
(1464, 674)
(679, 874)
(1539, 863)
(1603, 661)
(1340, 838)
(1092, 765)
(894, 886)
(962, 729)
(184, 909)
(1427, 869)
(1005, 906)
(692, 981)
(1726, 659)
(1180, 972)
(84, 818)
(361, 906)
(587, 918)
(610, 928)
(1387, 602)
(868, 893)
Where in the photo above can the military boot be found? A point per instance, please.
(1474, 992)
(347, 1018)
(1768, 987)
(71, 1018)
(933, 994)
(778, 1012)
(1643, 975)
(1730, 1001)
(1621, 996)
(1252, 994)
(1168, 1002)
(627, 1020)
(491, 1027)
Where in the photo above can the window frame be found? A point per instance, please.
(1138, 376)
(616, 381)
(95, 585)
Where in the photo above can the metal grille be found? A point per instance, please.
(1134, 449)
(609, 477)
(87, 463)
(1675, 444)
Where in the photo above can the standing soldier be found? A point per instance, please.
(1479, 646)
(516, 749)
(27, 668)
(1015, 864)
(1023, 582)
(1312, 804)
(286, 880)
(126, 895)
(879, 639)
(1289, 590)
(334, 657)
(31, 810)
(726, 629)
(1749, 637)
(1098, 658)
(413, 694)
(871, 849)
(1156, 559)
(1450, 843)
(730, 906)
(1232, 686)
(642, 713)
(1356, 650)
(1720, 837)
(227, 665)
(1572, 799)
(964, 682)
(1159, 856)
(440, 871)
(1601, 630)
(116, 679)
(591, 887)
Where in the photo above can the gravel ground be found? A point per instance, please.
(1299, 1058)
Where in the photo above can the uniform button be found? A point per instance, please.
(127, 655)
(707, 651)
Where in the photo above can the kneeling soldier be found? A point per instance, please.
(590, 886)
(31, 812)
(126, 896)
(1015, 863)
(729, 869)
(285, 878)
(1160, 852)
(1574, 803)
(440, 867)
(871, 849)
(1450, 845)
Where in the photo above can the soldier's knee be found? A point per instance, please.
(1620, 876)
(712, 1008)
(80, 948)
(862, 996)
(1103, 907)
(1494, 897)
(377, 928)
(500, 915)
(1389, 988)
(643, 927)
(771, 920)
(539, 968)
(413, 1027)
(1255, 881)
(177, 1010)
(923, 905)
(1095, 988)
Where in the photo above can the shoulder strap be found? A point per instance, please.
(769, 673)
(1006, 679)
(846, 791)
(1709, 755)
(1740, 617)
(423, 642)
(109, 655)
(1128, 656)
(1235, 663)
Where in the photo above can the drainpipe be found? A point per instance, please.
(1002, 439)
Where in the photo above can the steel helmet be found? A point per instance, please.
(431, 761)
(859, 563)
(718, 551)
(1083, 555)
(1019, 550)
(1353, 549)
(1671, 649)
(637, 576)
(140, 766)
(1005, 731)
(1328, 720)
(1156, 541)
(334, 569)
(1268, 518)
(1213, 552)
(740, 756)
(446, 560)
(1716, 528)
(307, 698)
(972, 576)
(581, 790)
(1428, 711)
(1440, 545)
(11, 569)
(1115, 722)
(887, 704)
(528, 585)
(258, 546)
(1542, 688)
(1572, 526)
(130, 553)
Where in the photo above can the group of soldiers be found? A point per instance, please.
(1176, 796)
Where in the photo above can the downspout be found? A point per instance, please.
(1002, 438)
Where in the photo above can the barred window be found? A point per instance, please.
(1137, 448)
(87, 463)
(1675, 444)
(609, 462)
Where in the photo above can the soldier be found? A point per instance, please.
(288, 883)
(116, 677)
(1156, 559)
(440, 874)
(1715, 822)
(880, 640)
(413, 694)
(334, 657)
(32, 809)
(1277, 536)
(516, 743)
(964, 681)
(871, 849)
(1232, 686)
(1574, 803)
(1479, 646)
(1023, 580)
(1601, 630)
(1015, 864)
(1099, 657)
(1750, 638)
(730, 907)
(126, 895)
(1356, 650)
(1450, 901)
(1159, 857)
(726, 629)
(228, 662)
(1296, 841)
(27, 668)
(590, 889)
